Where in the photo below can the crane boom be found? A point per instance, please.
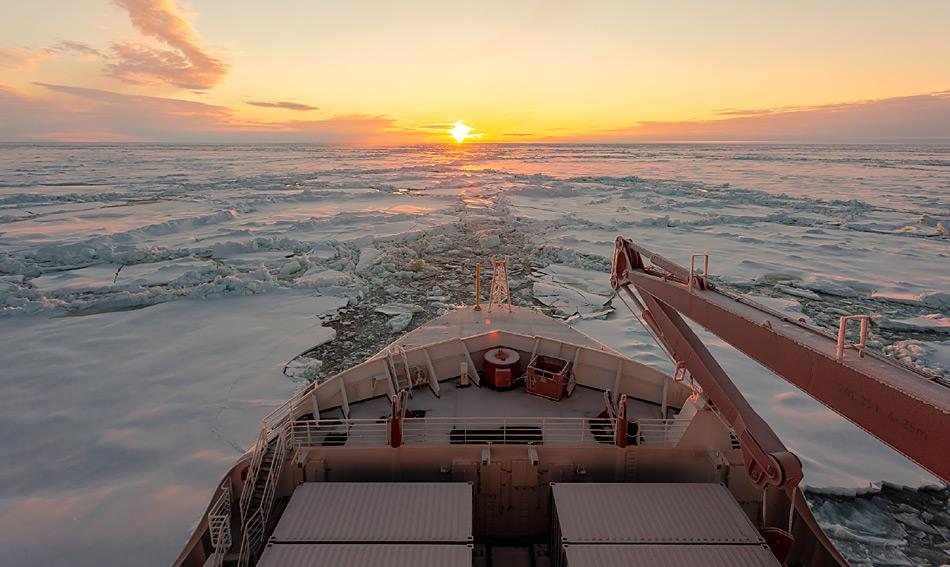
(906, 409)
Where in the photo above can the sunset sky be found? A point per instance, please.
(406, 72)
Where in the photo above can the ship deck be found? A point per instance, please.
(440, 411)
(488, 402)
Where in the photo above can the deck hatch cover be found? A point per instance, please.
(361, 555)
(679, 555)
(650, 513)
(335, 512)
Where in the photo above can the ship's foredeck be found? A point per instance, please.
(353, 408)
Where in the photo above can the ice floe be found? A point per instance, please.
(932, 323)
(932, 357)
(571, 290)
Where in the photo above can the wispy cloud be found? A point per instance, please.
(22, 59)
(186, 64)
(918, 117)
(436, 127)
(66, 46)
(283, 104)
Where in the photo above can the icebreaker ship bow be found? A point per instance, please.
(501, 436)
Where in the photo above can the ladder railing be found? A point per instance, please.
(219, 524)
(273, 476)
(253, 535)
(252, 470)
(394, 368)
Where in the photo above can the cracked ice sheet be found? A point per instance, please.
(901, 177)
(750, 234)
(834, 452)
(572, 290)
(818, 257)
(125, 421)
(932, 323)
(104, 276)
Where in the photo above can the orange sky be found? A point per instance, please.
(384, 72)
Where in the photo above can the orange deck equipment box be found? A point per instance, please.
(547, 377)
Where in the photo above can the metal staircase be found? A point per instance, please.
(259, 491)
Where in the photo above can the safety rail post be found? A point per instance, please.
(842, 331)
(692, 269)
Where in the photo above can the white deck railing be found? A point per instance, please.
(661, 432)
(481, 430)
(335, 432)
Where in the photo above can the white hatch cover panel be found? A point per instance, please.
(651, 513)
(402, 512)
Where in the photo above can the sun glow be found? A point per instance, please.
(460, 131)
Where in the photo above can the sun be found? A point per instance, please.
(460, 131)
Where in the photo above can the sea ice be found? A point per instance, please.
(118, 413)
(152, 402)
(932, 323)
(368, 257)
(572, 290)
(932, 357)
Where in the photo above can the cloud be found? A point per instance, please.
(69, 113)
(917, 118)
(115, 98)
(66, 46)
(437, 127)
(84, 114)
(22, 59)
(283, 104)
(186, 65)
